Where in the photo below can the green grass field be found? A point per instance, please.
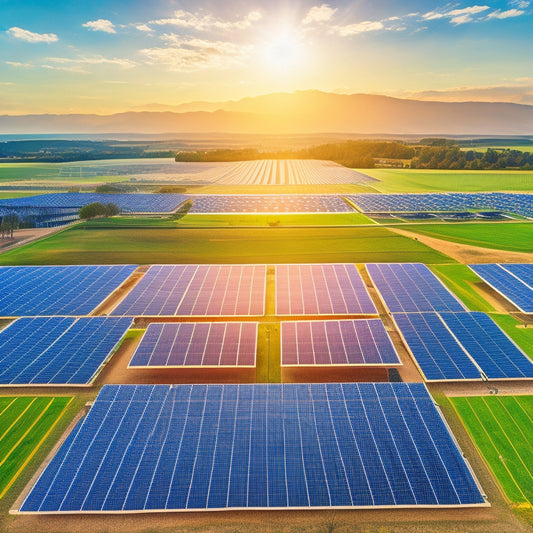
(502, 429)
(522, 336)
(24, 424)
(84, 245)
(515, 237)
(419, 180)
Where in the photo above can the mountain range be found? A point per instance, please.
(301, 112)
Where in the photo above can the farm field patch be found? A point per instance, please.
(502, 429)
(81, 245)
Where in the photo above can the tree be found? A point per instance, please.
(10, 222)
(97, 209)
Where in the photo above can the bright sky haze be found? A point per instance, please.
(115, 55)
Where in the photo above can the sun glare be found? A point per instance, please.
(284, 53)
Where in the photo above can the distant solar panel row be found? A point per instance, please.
(57, 350)
(513, 281)
(132, 203)
(58, 290)
(192, 447)
(197, 290)
(326, 289)
(269, 204)
(204, 344)
(336, 342)
(455, 346)
(518, 203)
(411, 288)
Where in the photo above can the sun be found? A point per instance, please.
(285, 53)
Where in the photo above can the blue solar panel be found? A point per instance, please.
(197, 290)
(192, 447)
(197, 344)
(58, 290)
(57, 350)
(411, 288)
(321, 289)
(436, 351)
(514, 282)
(336, 342)
(270, 203)
(489, 346)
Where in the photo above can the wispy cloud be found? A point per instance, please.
(17, 64)
(321, 13)
(100, 25)
(206, 22)
(456, 16)
(64, 68)
(506, 14)
(190, 54)
(359, 27)
(95, 60)
(143, 27)
(31, 37)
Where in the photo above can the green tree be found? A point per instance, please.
(10, 223)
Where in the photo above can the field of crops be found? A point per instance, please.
(25, 422)
(502, 429)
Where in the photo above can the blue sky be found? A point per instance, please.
(111, 56)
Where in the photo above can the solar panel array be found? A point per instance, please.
(204, 344)
(514, 281)
(197, 290)
(297, 203)
(321, 289)
(336, 342)
(411, 288)
(58, 290)
(455, 346)
(57, 350)
(519, 203)
(127, 203)
(193, 447)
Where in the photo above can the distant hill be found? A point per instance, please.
(301, 112)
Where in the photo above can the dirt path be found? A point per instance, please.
(24, 236)
(465, 253)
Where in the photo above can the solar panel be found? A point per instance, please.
(197, 290)
(271, 203)
(58, 290)
(495, 353)
(202, 344)
(193, 447)
(513, 282)
(411, 288)
(321, 289)
(437, 353)
(336, 342)
(57, 350)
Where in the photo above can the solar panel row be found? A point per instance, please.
(197, 290)
(300, 203)
(455, 346)
(336, 342)
(411, 288)
(326, 289)
(148, 448)
(205, 344)
(58, 290)
(514, 282)
(57, 350)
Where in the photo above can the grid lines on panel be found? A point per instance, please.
(277, 446)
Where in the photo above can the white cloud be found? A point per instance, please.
(95, 60)
(456, 16)
(100, 25)
(359, 27)
(321, 13)
(30, 37)
(74, 68)
(505, 14)
(143, 27)
(19, 65)
(520, 4)
(189, 55)
(205, 22)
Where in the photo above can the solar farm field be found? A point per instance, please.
(502, 429)
(81, 245)
(25, 423)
